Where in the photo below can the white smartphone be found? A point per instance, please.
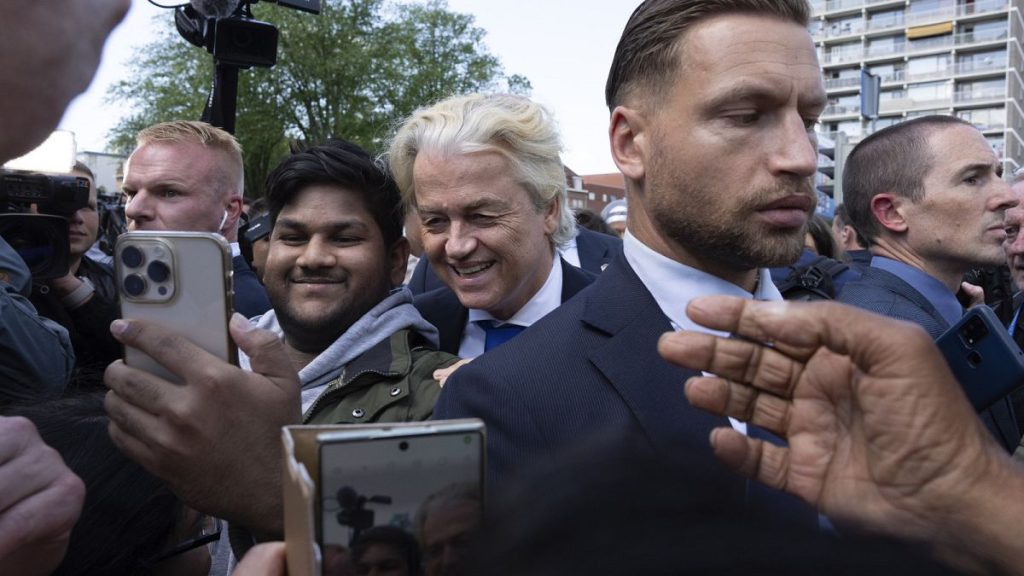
(426, 479)
(181, 281)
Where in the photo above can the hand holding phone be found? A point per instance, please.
(983, 357)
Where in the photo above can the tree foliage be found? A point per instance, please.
(354, 71)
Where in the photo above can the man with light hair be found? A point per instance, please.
(484, 174)
(188, 176)
(1014, 243)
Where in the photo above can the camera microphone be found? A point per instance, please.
(217, 9)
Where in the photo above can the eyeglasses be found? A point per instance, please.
(209, 535)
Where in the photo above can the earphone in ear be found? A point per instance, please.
(222, 221)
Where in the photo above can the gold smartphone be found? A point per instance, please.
(181, 281)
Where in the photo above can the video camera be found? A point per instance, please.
(31, 182)
(227, 30)
(237, 41)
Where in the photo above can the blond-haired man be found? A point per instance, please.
(186, 175)
(484, 174)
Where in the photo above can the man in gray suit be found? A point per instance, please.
(929, 198)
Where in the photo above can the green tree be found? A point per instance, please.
(354, 71)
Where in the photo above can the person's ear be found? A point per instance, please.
(398, 261)
(889, 211)
(628, 137)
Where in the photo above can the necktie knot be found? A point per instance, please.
(498, 334)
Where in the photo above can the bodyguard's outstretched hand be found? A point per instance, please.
(879, 433)
(215, 438)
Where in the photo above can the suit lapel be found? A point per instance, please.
(574, 279)
(620, 306)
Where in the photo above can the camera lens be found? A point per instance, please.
(158, 271)
(403, 446)
(132, 257)
(134, 285)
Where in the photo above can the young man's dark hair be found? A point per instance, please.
(648, 51)
(895, 159)
(339, 163)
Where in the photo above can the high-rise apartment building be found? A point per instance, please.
(957, 57)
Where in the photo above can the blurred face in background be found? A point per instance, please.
(84, 225)
(1014, 244)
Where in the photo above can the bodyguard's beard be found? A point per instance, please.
(735, 236)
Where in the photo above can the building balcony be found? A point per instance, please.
(838, 83)
(986, 120)
(837, 5)
(833, 32)
(901, 104)
(972, 67)
(993, 126)
(929, 75)
(977, 96)
(897, 77)
(841, 110)
(987, 7)
(841, 57)
(925, 17)
(882, 50)
(886, 24)
(968, 39)
(935, 43)
(928, 44)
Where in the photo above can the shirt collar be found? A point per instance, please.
(927, 285)
(544, 301)
(673, 284)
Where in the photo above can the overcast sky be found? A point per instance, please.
(563, 46)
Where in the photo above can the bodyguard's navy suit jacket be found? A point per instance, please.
(885, 293)
(441, 307)
(250, 296)
(585, 372)
(596, 250)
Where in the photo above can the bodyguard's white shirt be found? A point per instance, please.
(544, 301)
(673, 285)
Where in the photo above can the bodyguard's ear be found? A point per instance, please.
(628, 139)
(888, 210)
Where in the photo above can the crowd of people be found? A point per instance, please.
(651, 401)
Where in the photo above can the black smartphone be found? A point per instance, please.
(983, 357)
